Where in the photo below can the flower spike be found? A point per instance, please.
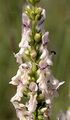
(34, 79)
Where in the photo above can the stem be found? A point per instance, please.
(36, 115)
(33, 34)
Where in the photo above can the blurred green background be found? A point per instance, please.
(58, 24)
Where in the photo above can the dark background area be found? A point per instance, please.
(58, 24)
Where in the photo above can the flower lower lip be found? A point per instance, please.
(26, 26)
(42, 68)
(45, 43)
(41, 22)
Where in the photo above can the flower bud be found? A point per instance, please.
(27, 52)
(33, 2)
(40, 117)
(37, 37)
(28, 11)
(38, 14)
(33, 86)
(33, 79)
(33, 54)
(39, 10)
(25, 57)
(34, 68)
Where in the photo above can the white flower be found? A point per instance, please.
(21, 51)
(41, 21)
(42, 82)
(48, 101)
(32, 104)
(61, 116)
(25, 20)
(44, 71)
(19, 93)
(45, 39)
(23, 45)
(43, 17)
(68, 114)
(21, 73)
(25, 65)
(25, 38)
(18, 105)
(16, 78)
(33, 86)
(55, 83)
(25, 77)
(16, 97)
(60, 83)
(20, 115)
(45, 55)
(44, 75)
(44, 13)
(44, 51)
(49, 60)
(42, 65)
(20, 110)
(18, 58)
(29, 117)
